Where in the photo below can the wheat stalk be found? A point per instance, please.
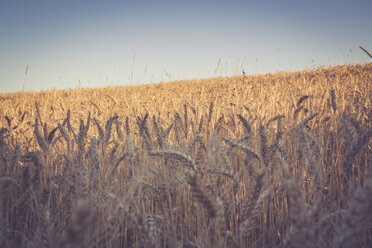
(365, 50)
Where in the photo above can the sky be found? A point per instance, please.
(77, 44)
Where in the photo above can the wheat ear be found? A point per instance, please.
(202, 196)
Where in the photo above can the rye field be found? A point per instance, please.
(277, 160)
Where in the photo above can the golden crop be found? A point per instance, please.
(280, 160)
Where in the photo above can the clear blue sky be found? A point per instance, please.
(68, 44)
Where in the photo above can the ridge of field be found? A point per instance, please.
(276, 160)
(264, 95)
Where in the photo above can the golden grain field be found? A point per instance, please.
(278, 160)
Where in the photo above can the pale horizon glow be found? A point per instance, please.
(70, 44)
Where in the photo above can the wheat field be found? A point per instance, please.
(277, 160)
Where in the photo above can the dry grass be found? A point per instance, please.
(281, 160)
